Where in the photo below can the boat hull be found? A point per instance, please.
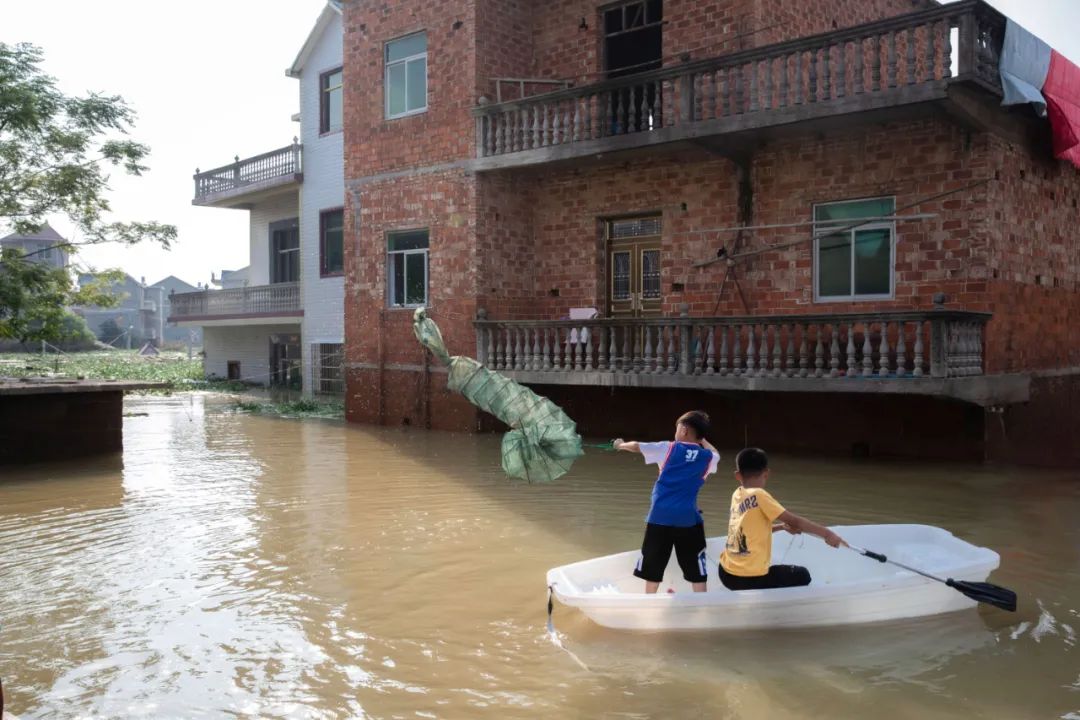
(846, 588)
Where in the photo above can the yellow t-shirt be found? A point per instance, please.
(749, 541)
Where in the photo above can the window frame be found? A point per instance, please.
(324, 103)
(277, 262)
(323, 272)
(390, 257)
(889, 225)
(319, 355)
(387, 65)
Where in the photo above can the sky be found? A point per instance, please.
(207, 79)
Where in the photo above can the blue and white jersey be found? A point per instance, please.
(683, 467)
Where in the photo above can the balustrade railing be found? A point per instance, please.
(280, 163)
(256, 300)
(892, 54)
(937, 344)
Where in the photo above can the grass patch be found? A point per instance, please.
(293, 408)
(169, 367)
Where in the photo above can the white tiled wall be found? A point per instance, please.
(323, 189)
(250, 345)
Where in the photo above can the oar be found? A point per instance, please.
(988, 593)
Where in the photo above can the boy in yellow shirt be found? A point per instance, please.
(746, 561)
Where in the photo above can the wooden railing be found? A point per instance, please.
(936, 344)
(872, 59)
(281, 163)
(235, 302)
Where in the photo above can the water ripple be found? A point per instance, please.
(234, 566)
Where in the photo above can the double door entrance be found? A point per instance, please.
(633, 256)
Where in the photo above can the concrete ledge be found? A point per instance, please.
(982, 390)
(49, 386)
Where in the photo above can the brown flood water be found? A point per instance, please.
(236, 566)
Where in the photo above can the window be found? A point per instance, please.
(407, 268)
(285, 251)
(330, 103)
(331, 242)
(328, 360)
(406, 76)
(854, 263)
(633, 37)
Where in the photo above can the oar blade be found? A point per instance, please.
(988, 593)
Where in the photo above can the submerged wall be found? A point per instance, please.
(60, 425)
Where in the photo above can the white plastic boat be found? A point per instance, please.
(846, 588)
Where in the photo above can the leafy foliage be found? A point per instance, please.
(55, 151)
(34, 297)
(293, 408)
(173, 368)
(109, 330)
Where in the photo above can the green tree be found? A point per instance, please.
(75, 333)
(55, 153)
(109, 330)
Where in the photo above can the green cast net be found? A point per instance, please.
(542, 443)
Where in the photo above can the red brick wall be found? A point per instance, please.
(561, 49)
(910, 161)
(379, 336)
(784, 20)
(1034, 274)
(443, 133)
(505, 247)
(504, 42)
(529, 244)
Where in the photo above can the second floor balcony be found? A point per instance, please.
(244, 182)
(937, 353)
(889, 69)
(259, 304)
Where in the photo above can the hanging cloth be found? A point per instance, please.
(1034, 73)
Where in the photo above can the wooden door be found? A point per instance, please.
(633, 256)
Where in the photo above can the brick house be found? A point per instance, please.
(905, 286)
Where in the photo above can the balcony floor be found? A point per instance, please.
(734, 136)
(982, 390)
(241, 320)
(245, 196)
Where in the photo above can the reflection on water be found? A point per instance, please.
(231, 565)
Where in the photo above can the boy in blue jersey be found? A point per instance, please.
(674, 520)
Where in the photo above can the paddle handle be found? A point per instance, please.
(883, 559)
(876, 556)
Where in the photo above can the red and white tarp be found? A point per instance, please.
(1033, 72)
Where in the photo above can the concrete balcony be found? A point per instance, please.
(245, 182)
(937, 353)
(258, 305)
(880, 71)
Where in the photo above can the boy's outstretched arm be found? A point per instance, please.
(801, 524)
(620, 444)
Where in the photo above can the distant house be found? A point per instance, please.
(41, 246)
(280, 320)
(139, 315)
(171, 333)
(231, 279)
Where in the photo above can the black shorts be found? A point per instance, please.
(689, 544)
(779, 576)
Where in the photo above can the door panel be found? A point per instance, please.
(634, 288)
